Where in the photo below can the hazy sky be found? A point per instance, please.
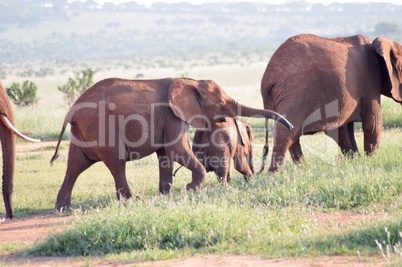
(149, 2)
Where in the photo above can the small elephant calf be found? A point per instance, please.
(226, 140)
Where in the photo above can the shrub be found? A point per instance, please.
(23, 96)
(77, 85)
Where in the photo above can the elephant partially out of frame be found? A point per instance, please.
(7, 134)
(118, 120)
(327, 84)
(230, 139)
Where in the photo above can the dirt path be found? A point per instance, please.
(28, 230)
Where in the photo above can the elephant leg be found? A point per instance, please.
(283, 139)
(345, 138)
(180, 151)
(241, 164)
(228, 178)
(117, 167)
(118, 170)
(372, 126)
(120, 180)
(165, 172)
(184, 156)
(222, 169)
(296, 152)
(77, 163)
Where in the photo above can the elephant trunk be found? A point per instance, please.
(241, 110)
(8, 152)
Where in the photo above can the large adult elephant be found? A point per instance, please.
(7, 135)
(327, 84)
(118, 120)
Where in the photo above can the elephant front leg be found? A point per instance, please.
(165, 172)
(180, 151)
(372, 126)
(184, 156)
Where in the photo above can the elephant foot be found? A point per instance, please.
(165, 188)
(193, 186)
(62, 207)
(248, 177)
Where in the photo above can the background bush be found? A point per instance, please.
(24, 95)
(77, 85)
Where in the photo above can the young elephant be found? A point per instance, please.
(226, 140)
(118, 120)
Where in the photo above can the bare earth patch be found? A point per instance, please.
(28, 230)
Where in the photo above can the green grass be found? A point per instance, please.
(271, 216)
(274, 215)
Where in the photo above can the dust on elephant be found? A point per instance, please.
(327, 84)
(7, 135)
(118, 120)
(230, 139)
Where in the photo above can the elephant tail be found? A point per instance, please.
(265, 149)
(174, 174)
(56, 152)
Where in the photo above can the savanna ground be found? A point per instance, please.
(330, 211)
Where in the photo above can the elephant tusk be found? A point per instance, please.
(10, 126)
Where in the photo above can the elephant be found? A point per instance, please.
(7, 135)
(118, 120)
(328, 84)
(226, 140)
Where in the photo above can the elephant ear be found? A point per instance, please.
(392, 54)
(185, 102)
(242, 131)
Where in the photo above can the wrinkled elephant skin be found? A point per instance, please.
(323, 84)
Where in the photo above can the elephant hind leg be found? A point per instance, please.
(118, 169)
(283, 139)
(77, 163)
(296, 152)
(345, 138)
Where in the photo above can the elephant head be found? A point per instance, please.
(391, 53)
(7, 134)
(201, 103)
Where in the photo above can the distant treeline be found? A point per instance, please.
(51, 30)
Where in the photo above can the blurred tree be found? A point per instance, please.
(76, 86)
(386, 28)
(23, 96)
